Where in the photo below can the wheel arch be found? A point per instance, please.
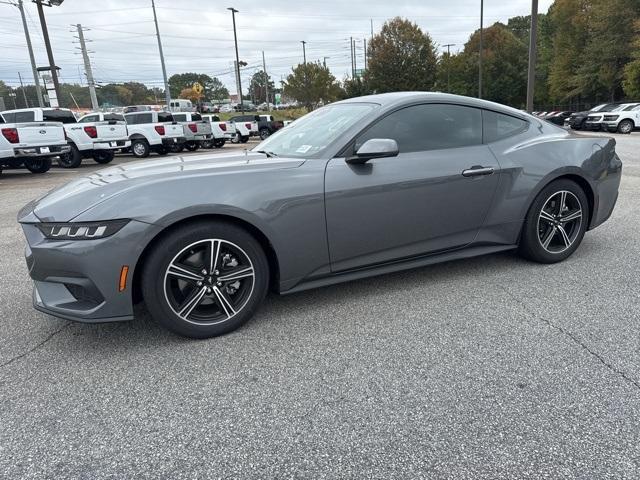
(138, 136)
(575, 177)
(263, 240)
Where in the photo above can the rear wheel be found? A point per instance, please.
(177, 147)
(625, 126)
(140, 148)
(205, 279)
(103, 156)
(244, 139)
(207, 144)
(192, 146)
(72, 159)
(556, 223)
(38, 165)
(264, 133)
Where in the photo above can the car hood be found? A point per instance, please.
(66, 202)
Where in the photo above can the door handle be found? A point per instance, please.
(476, 171)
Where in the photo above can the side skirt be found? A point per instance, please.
(398, 266)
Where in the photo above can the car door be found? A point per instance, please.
(432, 197)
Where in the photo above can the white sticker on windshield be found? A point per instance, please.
(303, 149)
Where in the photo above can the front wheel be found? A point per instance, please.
(264, 133)
(556, 223)
(38, 165)
(205, 279)
(625, 126)
(140, 148)
(177, 148)
(244, 139)
(219, 143)
(103, 156)
(207, 144)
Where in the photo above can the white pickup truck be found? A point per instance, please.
(222, 131)
(196, 131)
(246, 126)
(30, 144)
(153, 131)
(97, 140)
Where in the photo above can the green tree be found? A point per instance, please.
(312, 84)
(401, 57)
(257, 86)
(213, 88)
(356, 87)
(631, 81)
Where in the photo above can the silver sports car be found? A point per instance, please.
(361, 187)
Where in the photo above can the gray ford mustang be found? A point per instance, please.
(361, 187)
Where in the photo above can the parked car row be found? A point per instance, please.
(607, 117)
(32, 137)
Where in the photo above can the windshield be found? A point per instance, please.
(630, 107)
(312, 134)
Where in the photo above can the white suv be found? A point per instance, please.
(622, 121)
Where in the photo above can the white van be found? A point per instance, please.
(181, 105)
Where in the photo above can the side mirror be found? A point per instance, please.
(375, 148)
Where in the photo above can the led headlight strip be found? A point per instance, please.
(81, 231)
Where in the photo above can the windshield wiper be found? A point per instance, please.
(268, 154)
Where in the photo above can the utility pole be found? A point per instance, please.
(235, 38)
(449, 45)
(167, 93)
(480, 51)
(372, 28)
(533, 38)
(24, 94)
(324, 61)
(355, 59)
(87, 69)
(36, 76)
(266, 82)
(304, 51)
(353, 69)
(52, 65)
(364, 40)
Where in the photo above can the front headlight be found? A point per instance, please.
(81, 231)
(610, 118)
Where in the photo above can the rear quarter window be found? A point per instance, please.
(497, 126)
(180, 117)
(114, 117)
(25, 117)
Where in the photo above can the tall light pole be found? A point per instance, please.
(87, 68)
(167, 93)
(449, 45)
(45, 33)
(266, 82)
(304, 52)
(480, 51)
(235, 39)
(533, 37)
(34, 71)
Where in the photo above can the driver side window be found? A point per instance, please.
(428, 127)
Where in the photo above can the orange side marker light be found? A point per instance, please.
(123, 278)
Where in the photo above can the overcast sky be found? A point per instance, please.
(197, 35)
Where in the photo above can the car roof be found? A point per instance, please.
(393, 99)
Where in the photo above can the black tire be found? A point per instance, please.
(177, 148)
(244, 139)
(219, 143)
(73, 159)
(207, 144)
(140, 148)
(162, 151)
(626, 126)
(562, 236)
(38, 165)
(192, 146)
(103, 156)
(264, 133)
(236, 138)
(165, 294)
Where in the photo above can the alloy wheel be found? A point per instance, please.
(139, 149)
(559, 222)
(209, 282)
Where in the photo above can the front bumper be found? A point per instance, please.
(610, 126)
(44, 151)
(595, 126)
(79, 280)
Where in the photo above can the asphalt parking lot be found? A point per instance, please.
(485, 368)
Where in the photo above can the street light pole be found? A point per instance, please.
(533, 38)
(304, 52)
(266, 82)
(36, 77)
(235, 39)
(52, 65)
(449, 45)
(167, 93)
(480, 51)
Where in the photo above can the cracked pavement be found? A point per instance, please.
(485, 368)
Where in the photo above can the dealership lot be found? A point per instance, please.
(491, 367)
